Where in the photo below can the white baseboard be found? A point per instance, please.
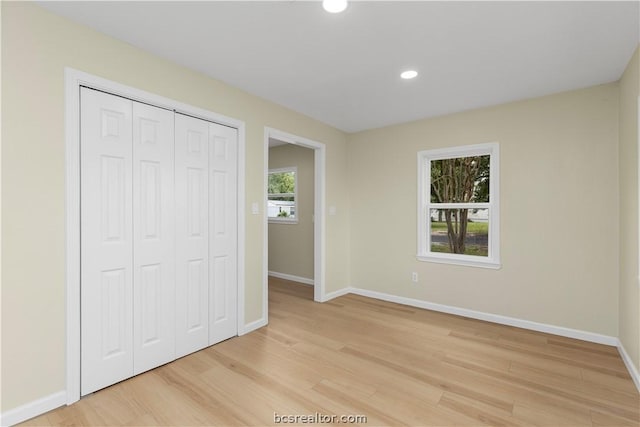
(303, 280)
(336, 294)
(256, 324)
(631, 367)
(495, 318)
(33, 409)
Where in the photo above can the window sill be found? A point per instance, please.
(467, 261)
(282, 221)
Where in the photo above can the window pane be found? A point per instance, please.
(460, 180)
(282, 182)
(281, 209)
(460, 231)
(281, 190)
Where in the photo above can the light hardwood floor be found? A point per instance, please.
(394, 364)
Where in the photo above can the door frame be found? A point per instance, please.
(74, 79)
(319, 226)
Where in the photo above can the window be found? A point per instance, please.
(458, 206)
(282, 195)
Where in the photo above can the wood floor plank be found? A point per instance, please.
(378, 416)
(435, 379)
(393, 364)
(614, 381)
(600, 392)
(480, 412)
(550, 416)
(598, 419)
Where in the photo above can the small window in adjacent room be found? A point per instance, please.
(458, 205)
(282, 195)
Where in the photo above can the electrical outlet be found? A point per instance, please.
(414, 277)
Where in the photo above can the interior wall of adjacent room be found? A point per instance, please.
(628, 170)
(36, 47)
(559, 210)
(291, 245)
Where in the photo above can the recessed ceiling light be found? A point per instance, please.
(334, 6)
(409, 74)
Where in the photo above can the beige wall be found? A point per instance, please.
(36, 47)
(628, 170)
(291, 245)
(559, 220)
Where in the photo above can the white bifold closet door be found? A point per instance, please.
(106, 234)
(192, 234)
(127, 239)
(153, 238)
(206, 233)
(158, 237)
(223, 234)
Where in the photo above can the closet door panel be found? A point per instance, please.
(106, 240)
(192, 234)
(154, 237)
(223, 184)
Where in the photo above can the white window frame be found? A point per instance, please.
(285, 220)
(425, 205)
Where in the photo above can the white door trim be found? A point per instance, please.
(319, 149)
(73, 80)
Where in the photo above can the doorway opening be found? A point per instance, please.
(290, 217)
(294, 174)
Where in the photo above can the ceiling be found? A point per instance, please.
(344, 69)
(275, 143)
